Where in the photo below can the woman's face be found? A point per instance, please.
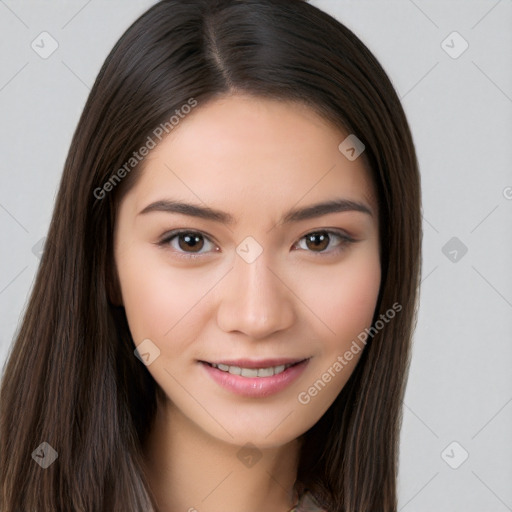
(249, 285)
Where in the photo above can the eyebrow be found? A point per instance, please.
(293, 215)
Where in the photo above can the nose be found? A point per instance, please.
(255, 299)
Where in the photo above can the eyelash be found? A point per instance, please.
(345, 240)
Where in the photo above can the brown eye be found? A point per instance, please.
(188, 241)
(187, 244)
(319, 241)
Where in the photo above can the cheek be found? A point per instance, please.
(157, 298)
(346, 309)
(344, 298)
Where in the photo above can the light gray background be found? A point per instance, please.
(460, 111)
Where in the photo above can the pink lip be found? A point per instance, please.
(257, 387)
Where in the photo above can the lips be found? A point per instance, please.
(255, 378)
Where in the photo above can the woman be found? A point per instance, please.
(223, 311)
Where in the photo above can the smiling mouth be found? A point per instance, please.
(267, 371)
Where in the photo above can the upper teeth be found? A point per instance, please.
(252, 372)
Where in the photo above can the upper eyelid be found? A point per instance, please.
(174, 233)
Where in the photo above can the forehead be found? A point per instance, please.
(252, 155)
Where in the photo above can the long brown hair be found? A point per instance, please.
(72, 380)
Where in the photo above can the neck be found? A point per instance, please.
(191, 471)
